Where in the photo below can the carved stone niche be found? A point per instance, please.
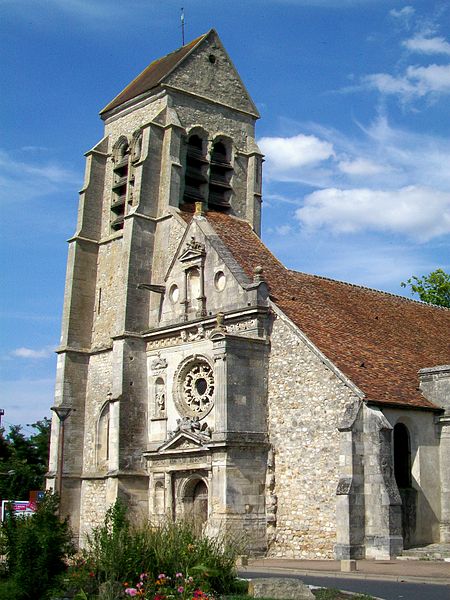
(159, 409)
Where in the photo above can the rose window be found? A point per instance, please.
(195, 388)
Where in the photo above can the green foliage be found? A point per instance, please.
(118, 552)
(36, 548)
(23, 460)
(433, 288)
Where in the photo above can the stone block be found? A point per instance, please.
(279, 589)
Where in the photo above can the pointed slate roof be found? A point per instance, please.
(153, 74)
(378, 340)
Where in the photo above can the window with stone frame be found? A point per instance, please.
(103, 437)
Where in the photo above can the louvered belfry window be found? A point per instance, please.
(196, 171)
(220, 173)
(207, 180)
(120, 184)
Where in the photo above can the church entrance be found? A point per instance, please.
(195, 502)
(200, 503)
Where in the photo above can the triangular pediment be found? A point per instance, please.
(189, 255)
(184, 442)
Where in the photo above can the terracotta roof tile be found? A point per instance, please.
(378, 340)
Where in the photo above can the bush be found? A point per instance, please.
(117, 552)
(36, 548)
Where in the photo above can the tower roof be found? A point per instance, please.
(159, 71)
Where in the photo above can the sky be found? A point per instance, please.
(355, 128)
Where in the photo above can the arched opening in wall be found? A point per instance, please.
(195, 178)
(220, 174)
(196, 502)
(403, 478)
(103, 438)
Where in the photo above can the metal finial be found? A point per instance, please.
(182, 25)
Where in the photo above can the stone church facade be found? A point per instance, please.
(205, 379)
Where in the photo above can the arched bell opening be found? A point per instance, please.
(220, 173)
(195, 177)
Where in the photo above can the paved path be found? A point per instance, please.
(420, 571)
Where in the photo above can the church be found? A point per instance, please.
(197, 376)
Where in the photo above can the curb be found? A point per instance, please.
(346, 575)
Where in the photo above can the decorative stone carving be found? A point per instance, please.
(158, 364)
(194, 245)
(194, 387)
(192, 425)
(191, 336)
(242, 326)
(161, 401)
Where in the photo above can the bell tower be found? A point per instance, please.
(181, 132)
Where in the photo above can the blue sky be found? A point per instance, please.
(355, 126)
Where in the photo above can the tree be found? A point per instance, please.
(433, 288)
(23, 460)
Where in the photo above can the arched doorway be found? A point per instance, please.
(403, 478)
(200, 503)
(195, 500)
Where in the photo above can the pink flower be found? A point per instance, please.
(131, 591)
(161, 576)
(181, 589)
(179, 575)
(143, 576)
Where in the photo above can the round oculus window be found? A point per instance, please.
(194, 388)
(220, 281)
(174, 293)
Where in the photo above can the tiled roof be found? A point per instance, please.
(378, 340)
(152, 75)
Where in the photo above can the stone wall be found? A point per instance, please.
(306, 403)
(98, 388)
(93, 506)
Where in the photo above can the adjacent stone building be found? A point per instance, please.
(204, 378)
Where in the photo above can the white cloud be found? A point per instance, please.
(402, 13)
(30, 353)
(418, 212)
(361, 167)
(433, 78)
(21, 180)
(416, 82)
(284, 154)
(427, 45)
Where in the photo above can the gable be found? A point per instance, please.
(204, 278)
(209, 73)
(201, 67)
(378, 340)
